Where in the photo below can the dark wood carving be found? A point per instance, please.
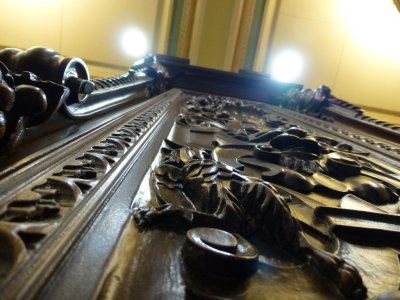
(235, 166)
(363, 137)
(40, 81)
(25, 101)
(320, 103)
(194, 193)
(34, 214)
(307, 101)
(253, 86)
(193, 190)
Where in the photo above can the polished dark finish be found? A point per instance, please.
(307, 101)
(188, 194)
(191, 189)
(65, 81)
(246, 84)
(35, 214)
(25, 101)
(200, 183)
(215, 252)
(320, 103)
(71, 72)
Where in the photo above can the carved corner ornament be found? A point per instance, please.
(320, 103)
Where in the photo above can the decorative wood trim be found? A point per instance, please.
(321, 104)
(66, 197)
(38, 82)
(202, 149)
(381, 146)
(265, 178)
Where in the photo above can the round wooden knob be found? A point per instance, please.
(218, 253)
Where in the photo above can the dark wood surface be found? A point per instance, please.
(70, 187)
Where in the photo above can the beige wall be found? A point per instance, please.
(215, 33)
(353, 46)
(90, 29)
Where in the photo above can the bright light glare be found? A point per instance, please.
(374, 24)
(134, 42)
(287, 66)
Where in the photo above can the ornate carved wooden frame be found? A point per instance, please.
(69, 197)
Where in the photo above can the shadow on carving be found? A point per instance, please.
(235, 166)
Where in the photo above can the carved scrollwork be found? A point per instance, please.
(50, 65)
